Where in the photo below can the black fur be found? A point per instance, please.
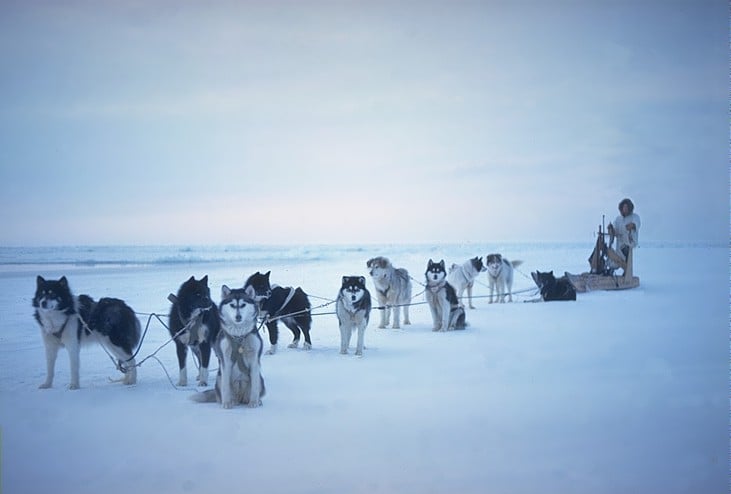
(477, 264)
(552, 288)
(273, 302)
(53, 289)
(195, 295)
(115, 319)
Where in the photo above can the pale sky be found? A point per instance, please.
(174, 122)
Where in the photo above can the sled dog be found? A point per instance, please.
(393, 290)
(238, 348)
(446, 312)
(68, 321)
(462, 276)
(500, 273)
(553, 288)
(289, 304)
(353, 308)
(195, 316)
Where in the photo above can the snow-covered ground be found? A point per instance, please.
(618, 392)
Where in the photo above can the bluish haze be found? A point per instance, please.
(361, 122)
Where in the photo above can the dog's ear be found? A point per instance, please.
(369, 262)
(441, 263)
(225, 291)
(204, 280)
(39, 281)
(250, 292)
(345, 280)
(361, 280)
(266, 275)
(64, 282)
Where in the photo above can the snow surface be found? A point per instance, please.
(618, 392)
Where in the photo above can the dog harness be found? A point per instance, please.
(237, 349)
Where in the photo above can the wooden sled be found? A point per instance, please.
(587, 282)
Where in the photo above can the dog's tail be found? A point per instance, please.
(207, 396)
(516, 263)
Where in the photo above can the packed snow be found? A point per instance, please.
(618, 392)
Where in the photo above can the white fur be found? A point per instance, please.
(461, 277)
(500, 273)
(52, 321)
(393, 290)
(351, 319)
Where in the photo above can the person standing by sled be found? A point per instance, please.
(626, 230)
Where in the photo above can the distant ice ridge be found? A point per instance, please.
(197, 254)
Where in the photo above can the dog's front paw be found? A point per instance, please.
(228, 404)
(254, 404)
(45, 385)
(344, 351)
(294, 344)
(307, 346)
(74, 386)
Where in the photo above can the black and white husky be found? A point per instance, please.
(195, 316)
(462, 276)
(446, 312)
(67, 321)
(553, 288)
(353, 308)
(393, 290)
(500, 272)
(238, 348)
(291, 305)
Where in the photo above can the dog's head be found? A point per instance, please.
(494, 264)
(260, 284)
(379, 267)
(543, 279)
(238, 307)
(435, 271)
(478, 265)
(194, 297)
(53, 295)
(353, 288)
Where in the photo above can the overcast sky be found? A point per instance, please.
(174, 122)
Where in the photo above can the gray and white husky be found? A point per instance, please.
(69, 321)
(393, 290)
(446, 312)
(238, 347)
(500, 273)
(462, 276)
(353, 309)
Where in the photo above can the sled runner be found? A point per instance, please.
(601, 276)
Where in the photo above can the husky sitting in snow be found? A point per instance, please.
(446, 312)
(353, 308)
(238, 348)
(462, 276)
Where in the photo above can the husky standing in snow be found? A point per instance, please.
(195, 316)
(462, 276)
(393, 290)
(68, 321)
(500, 273)
(353, 309)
